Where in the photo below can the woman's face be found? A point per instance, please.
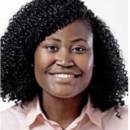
(64, 60)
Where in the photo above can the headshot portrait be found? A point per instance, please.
(63, 68)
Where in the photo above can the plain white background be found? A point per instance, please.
(113, 12)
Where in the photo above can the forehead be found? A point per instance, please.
(75, 29)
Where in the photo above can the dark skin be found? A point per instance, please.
(63, 68)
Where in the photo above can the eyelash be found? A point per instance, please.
(80, 49)
(48, 48)
(55, 49)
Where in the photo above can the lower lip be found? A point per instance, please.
(64, 80)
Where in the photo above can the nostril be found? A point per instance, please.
(64, 58)
(65, 64)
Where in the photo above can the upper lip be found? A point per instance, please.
(65, 72)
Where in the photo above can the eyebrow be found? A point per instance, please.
(73, 41)
(55, 39)
(78, 39)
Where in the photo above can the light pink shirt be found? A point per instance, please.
(32, 118)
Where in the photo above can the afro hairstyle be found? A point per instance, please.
(39, 19)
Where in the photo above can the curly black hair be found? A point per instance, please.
(40, 18)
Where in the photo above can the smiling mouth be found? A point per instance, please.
(65, 75)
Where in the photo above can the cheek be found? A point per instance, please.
(41, 59)
(85, 62)
(42, 62)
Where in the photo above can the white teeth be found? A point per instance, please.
(64, 75)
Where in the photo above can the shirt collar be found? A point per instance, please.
(94, 114)
(35, 110)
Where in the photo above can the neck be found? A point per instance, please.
(61, 110)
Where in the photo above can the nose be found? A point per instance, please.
(64, 59)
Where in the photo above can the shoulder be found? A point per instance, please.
(13, 116)
(111, 122)
(16, 109)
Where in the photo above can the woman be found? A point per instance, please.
(62, 67)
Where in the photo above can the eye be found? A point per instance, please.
(52, 48)
(79, 49)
